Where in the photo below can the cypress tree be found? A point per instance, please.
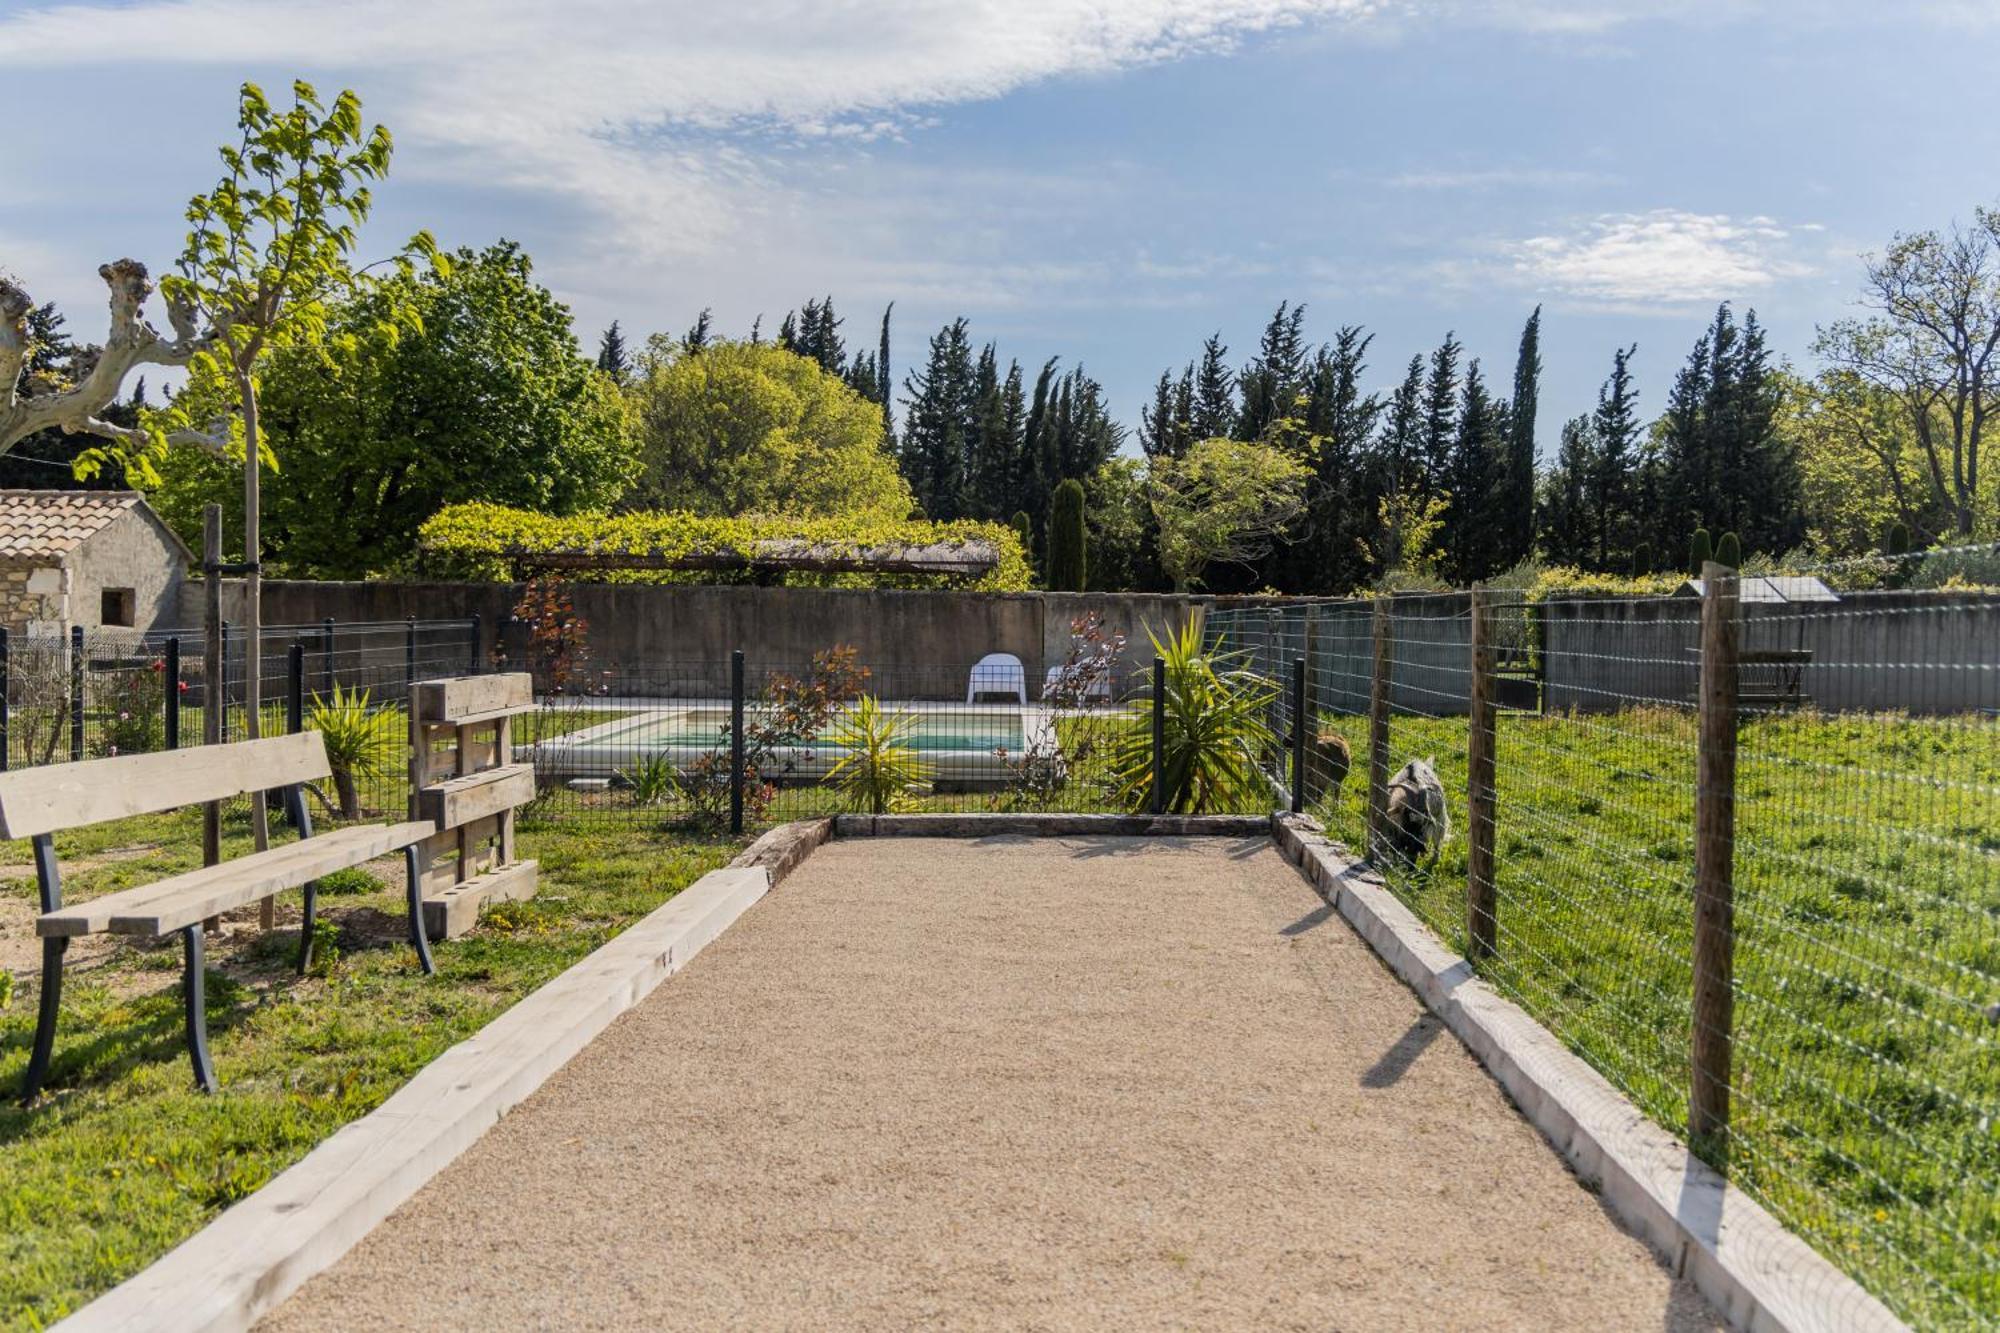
(611, 355)
(1642, 559)
(1066, 554)
(1700, 552)
(1024, 528)
(882, 374)
(1616, 426)
(1339, 422)
(697, 336)
(1440, 418)
(1471, 523)
(1568, 528)
(1514, 527)
(1270, 383)
(937, 424)
(1896, 543)
(1214, 391)
(1729, 551)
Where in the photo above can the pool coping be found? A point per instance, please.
(251, 1258)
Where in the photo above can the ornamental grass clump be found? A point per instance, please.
(879, 769)
(1214, 731)
(362, 743)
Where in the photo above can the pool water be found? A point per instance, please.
(937, 729)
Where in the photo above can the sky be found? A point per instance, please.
(1108, 181)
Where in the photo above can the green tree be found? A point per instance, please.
(1477, 463)
(750, 428)
(1700, 552)
(1934, 346)
(1566, 525)
(1613, 501)
(490, 398)
(1123, 534)
(1723, 463)
(269, 250)
(1514, 500)
(1729, 551)
(1438, 434)
(612, 357)
(1270, 384)
(1861, 466)
(1067, 562)
(1214, 391)
(1224, 502)
(1024, 528)
(937, 424)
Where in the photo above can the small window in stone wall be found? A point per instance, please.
(119, 608)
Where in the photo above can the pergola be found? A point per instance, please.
(779, 555)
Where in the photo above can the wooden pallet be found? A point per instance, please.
(464, 781)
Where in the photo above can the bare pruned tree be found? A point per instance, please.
(74, 403)
(1933, 344)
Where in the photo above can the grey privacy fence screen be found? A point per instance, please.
(1740, 852)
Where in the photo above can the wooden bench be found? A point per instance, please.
(464, 780)
(37, 803)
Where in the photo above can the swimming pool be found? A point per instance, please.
(958, 741)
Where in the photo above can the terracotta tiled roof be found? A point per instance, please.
(51, 524)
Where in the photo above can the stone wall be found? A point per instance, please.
(33, 597)
(925, 641)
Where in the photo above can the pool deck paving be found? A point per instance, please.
(1013, 1082)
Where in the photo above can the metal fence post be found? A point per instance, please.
(6, 711)
(409, 657)
(1378, 729)
(214, 674)
(1159, 735)
(736, 741)
(326, 656)
(472, 646)
(295, 687)
(75, 692)
(221, 701)
(1481, 897)
(1298, 735)
(170, 681)
(1714, 863)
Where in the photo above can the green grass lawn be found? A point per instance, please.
(1867, 1079)
(121, 1159)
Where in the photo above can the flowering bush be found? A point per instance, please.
(132, 708)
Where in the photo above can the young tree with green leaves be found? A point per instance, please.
(1226, 501)
(270, 248)
(489, 398)
(750, 428)
(1514, 523)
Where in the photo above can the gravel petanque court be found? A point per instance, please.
(1068, 1083)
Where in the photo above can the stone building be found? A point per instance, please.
(99, 559)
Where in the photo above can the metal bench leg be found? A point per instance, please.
(419, 937)
(192, 1002)
(53, 949)
(306, 927)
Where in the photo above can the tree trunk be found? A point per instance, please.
(350, 799)
(253, 617)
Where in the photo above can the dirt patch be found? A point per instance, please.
(1015, 1083)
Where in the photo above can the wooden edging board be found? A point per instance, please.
(243, 1265)
(1757, 1275)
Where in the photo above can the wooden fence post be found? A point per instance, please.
(1481, 899)
(214, 672)
(1714, 862)
(1378, 731)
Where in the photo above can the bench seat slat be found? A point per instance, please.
(181, 900)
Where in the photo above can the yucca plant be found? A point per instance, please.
(1214, 731)
(361, 742)
(879, 768)
(651, 780)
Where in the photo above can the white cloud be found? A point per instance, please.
(1665, 257)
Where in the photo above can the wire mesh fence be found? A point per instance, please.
(1848, 1029)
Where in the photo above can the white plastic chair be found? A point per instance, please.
(1099, 686)
(998, 673)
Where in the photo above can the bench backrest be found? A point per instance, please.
(65, 796)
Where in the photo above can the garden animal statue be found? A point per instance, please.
(1326, 765)
(1418, 823)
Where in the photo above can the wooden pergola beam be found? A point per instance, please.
(968, 559)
